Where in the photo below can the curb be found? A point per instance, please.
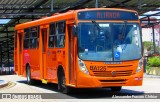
(150, 76)
(3, 84)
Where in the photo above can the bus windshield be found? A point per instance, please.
(109, 41)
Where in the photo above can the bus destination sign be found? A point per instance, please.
(107, 15)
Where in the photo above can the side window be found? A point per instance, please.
(52, 36)
(31, 37)
(34, 37)
(60, 31)
(26, 38)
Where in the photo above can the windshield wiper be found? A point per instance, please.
(124, 28)
(97, 25)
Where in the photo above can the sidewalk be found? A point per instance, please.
(3, 83)
(150, 76)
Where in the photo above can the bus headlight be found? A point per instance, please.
(82, 66)
(140, 64)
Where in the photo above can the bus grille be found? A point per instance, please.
(112, 73)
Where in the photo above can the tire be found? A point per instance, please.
(116, 89)
(30, 81)
(62, 84)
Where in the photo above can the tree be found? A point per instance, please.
(148, 45)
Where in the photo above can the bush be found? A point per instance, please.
(147, 67)
(154, 62)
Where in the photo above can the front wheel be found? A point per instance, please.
(116, 89)
(62, 84)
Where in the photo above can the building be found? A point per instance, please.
(147, 35)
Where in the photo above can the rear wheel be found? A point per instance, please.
(30, 81)
(116, 89)
(62, 84)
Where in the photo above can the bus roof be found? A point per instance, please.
(46, 20)
(90, 9)
(61, 16)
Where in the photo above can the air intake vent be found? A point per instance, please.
(119, 80)
(112, 73)
(119, 66)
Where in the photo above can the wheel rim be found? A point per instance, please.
(63, 83)
(28, 75)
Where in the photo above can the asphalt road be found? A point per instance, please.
(18, 85)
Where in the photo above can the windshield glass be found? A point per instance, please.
(109, 41)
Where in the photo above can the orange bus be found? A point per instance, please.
(86, 48)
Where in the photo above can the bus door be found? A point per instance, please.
(72, 59)
(15, 54)
(44, 47)
(19, 55)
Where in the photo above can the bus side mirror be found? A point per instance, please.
(74, 30)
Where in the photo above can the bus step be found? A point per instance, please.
(44, 81)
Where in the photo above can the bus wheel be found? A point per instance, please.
(29, 80)
(62, 84)
(116, 89)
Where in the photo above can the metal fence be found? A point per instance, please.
(6, 70)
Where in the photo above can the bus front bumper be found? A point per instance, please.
(87, 81)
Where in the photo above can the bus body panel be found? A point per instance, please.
(15, 54)
(86, 81)
(125, 75)
(42, 50)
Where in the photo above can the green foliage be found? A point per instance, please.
(147, 44)
(147, 67)
(154, 61)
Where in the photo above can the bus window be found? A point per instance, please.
(33, 37)
(60, 30)
(38, 38)
(26, 38)
(52, 35)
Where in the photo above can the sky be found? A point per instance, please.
(152, 12)
(4, 21)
